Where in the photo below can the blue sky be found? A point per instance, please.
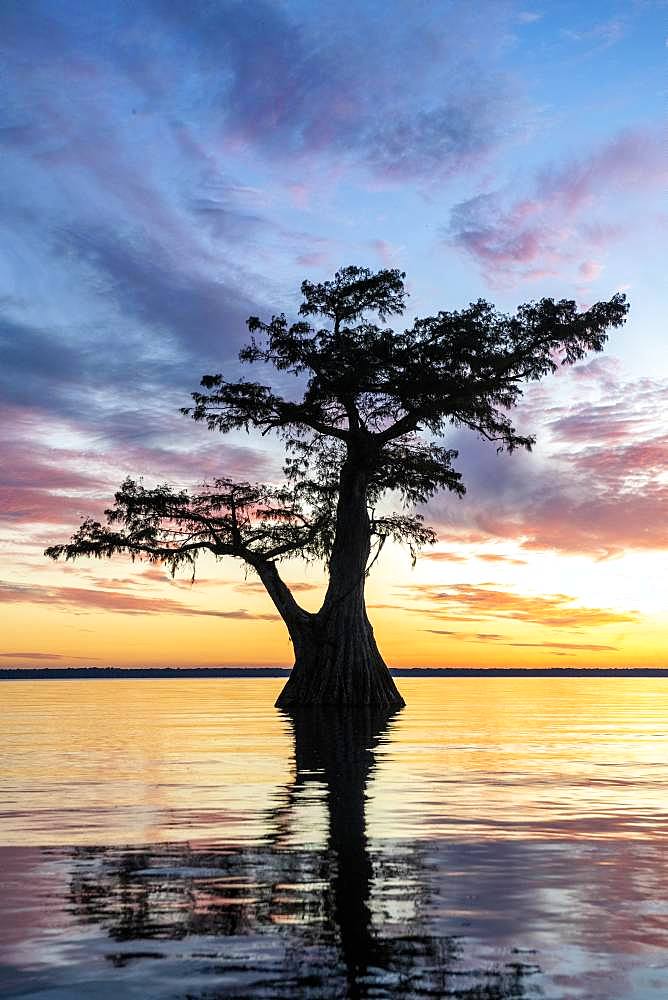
(169, 168)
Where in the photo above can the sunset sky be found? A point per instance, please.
(169, 168)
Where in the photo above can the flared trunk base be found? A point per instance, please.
(338, 663)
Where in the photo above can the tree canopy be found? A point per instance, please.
(369, 392)
(371, 408)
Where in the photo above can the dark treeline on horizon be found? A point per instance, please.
(93, 673)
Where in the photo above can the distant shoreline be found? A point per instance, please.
(176, 673)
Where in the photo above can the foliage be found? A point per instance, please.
(373, 401)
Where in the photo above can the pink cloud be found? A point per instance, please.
(637, 460)
(590, 270)
(475, 602)
(88, 599)
(60, 485)
(601, 526)
(300, 195)
(448, 557)
(596, 486)
(387, 253)
(602, 491)
(40, 506)
(42, 484)
(602, 370)
(521, 238)
(596, 424)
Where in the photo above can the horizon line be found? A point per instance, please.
(59, 672)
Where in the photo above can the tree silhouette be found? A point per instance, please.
(374, 403)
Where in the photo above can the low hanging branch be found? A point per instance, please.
(254, 523)
(374, 406)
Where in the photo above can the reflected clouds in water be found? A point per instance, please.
(289, 918)
(324, 905)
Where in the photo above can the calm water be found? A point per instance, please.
(498, 838)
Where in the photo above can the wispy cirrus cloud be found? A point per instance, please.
(448, 556)
(42, 656)
(548, 645)
(529, 16)
(301, 586)
(588, 647)
(600, 35)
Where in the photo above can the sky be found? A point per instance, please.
(170, 168)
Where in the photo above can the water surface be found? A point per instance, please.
(499, 837)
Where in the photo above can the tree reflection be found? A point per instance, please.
(311, 915)
(338, 748)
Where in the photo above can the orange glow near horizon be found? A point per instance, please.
(472, 608)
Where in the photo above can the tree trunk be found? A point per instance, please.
(337, 660)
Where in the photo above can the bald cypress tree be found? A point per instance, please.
(372, 407)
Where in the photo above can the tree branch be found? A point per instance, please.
(291, 612)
